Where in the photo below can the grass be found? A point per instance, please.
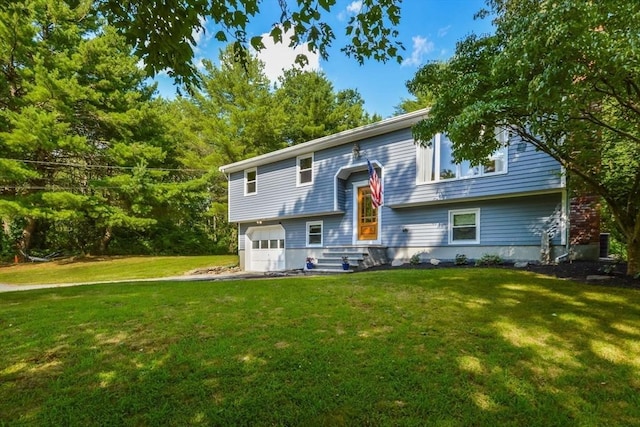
(405, 347)
(93, 269)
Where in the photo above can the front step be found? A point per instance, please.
(359, 258)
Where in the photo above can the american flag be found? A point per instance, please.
(376, 187)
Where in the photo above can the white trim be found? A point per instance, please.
(283, 217)
(453, 212)
(298, 170)
(436, 201)
(435, 151)
(306, 232)
(564, 219)
(363, 132)
(355, 240)
(246, 172)
(345, 171)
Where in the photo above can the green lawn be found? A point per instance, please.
(442, 347)
(94, 269)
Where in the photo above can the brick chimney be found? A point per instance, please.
(584, 220)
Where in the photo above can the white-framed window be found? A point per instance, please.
(314, 233)
(304, 166)
(250, 181)
(464, 226)
(435, 162)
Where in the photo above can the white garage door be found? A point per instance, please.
(266, 248)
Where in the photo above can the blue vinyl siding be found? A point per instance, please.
(334, 231)
(513, 221)
(278, 197)
(528, 171)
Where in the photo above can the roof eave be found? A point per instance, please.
(344, 137)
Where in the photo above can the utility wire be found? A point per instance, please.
(78, 165)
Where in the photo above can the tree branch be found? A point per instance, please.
(590, 117)
(614, 94)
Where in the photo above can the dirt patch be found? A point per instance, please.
(214, 270)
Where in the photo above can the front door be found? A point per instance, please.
(367, 215)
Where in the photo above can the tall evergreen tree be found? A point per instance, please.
(313, 109)
(81, 140)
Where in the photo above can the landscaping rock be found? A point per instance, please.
(521, 264)
(396, 263)
(434, 261)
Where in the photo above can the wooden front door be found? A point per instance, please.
(367, 215)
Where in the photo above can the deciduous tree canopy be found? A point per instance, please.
(163, 31)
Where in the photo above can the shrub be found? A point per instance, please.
(415, 259)
(461, 259)
(489, 259)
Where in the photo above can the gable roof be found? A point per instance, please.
(344, 137)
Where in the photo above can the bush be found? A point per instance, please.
(461, 259)
(415, 259)
(489, 259)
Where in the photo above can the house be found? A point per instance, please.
(314, 200)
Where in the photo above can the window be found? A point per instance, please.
(305, 170)
(314, 233)
(250, 181)
(267, 244)
(435, 162)
(464, 226)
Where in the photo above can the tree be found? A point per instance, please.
(241, 118)
(83, 152)
(163, 32)
(313, 109)
(422, 99)
(563, 75)
(230, 117)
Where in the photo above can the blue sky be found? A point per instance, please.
(429, 30)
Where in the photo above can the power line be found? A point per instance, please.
(78, 165)
(60, 188)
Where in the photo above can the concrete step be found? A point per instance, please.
(328, 271)
(333, 266)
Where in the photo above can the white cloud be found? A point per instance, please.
(421, 47)
(443, 31)
(200, 35)
(353, 8)
(279, 57)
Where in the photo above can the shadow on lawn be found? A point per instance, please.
(381, 348)
(572, 349)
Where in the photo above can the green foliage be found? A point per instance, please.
(163, 35)
(461, 259)
(90, 163)
(85, 150)
(563, 76)
(488, 260)
(415, 259)
(312, 109)
(9, 236)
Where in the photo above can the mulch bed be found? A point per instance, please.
(602, 273)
